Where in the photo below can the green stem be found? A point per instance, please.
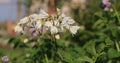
(95, 58)
(117, 46)
(46, 59)
(116, 13)
(60, 55)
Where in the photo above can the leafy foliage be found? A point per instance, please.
(97, 43)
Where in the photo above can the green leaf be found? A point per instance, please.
(90, 47)
(114, 31)
(84, 59)
(109, 42)
(100, 47)
(99, 14)
(112, 53)
(97, 23)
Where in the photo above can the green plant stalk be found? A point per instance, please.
(95, 58)
(54, 41)
(116, 13)
(46, 59)
(60, 55)
(117, 46)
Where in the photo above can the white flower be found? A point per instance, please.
(73, 29)
(38, 24)
(34, 17)
(25, 40)
(24, 20)
(61, 29)
(57, 36)
(53, 30)
(56, 23)
(48, 24)
(18, 28)
(62, 16)
(64, 22)
(68, 20)
(58, 11)
(42, 14)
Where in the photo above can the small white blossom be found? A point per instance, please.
(38, 24)
(25, 40)
(53, 30)
(58, 11)
(48, 24)
(57, 36)
(68, 20)
(62, 16)
(61, 29)
(33, 17)
(56, 23)
(43, 14)
(73, 29)
(18, 28)
(24, 20)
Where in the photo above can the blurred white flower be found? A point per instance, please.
(56, 23)
(27, 55)
(61, 29)
(53, 30)
(25, 40)
(24, 20)
(73, 29)
(57, 36)
(48, 24)
(70, 21)
(38, 24)
(18, 28)
(61, 16)
(33, 17)
(58, 11)
(67, 21)
(42, 14)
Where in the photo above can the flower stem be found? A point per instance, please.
(116, 12)
(60, 55)
(46, 59)
(117, 46)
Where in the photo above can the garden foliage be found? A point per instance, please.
(99, 42)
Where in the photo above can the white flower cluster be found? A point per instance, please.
(43, 22)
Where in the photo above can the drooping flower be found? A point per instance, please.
(33, 17)
(53, 30)
(42, 14)
(73, 29)
(33, 32)
(25, 40)
(18, 28)
(106, 5)
(57, 36)
(5, 59)
(24, 20)
(44, 23)
(56, 23)
(38, 24)
(48, 24)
